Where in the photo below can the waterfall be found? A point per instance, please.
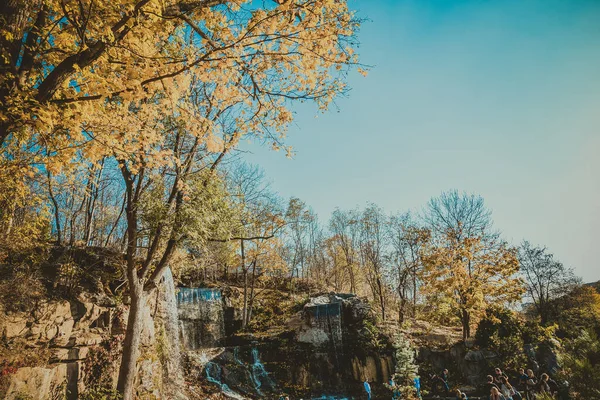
(259, 375)
(197, 295)
(201, 317)
(169, 315)
(236, 356)
(214, 375)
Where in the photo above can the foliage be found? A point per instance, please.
(471, 272)
(99, 368)
(438, 309)
(406, 367)
(94, 393)
(546, 278)
(578, 309)
(373, 336)
(21, 285)
(581, 360)
(501, 330)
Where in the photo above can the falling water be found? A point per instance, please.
(259, 375)
(168, 312)
(196, 295)
(200, 317)
(214, 375)
(236, 356)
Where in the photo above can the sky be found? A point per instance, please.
(496, 98)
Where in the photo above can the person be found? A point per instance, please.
(417, 382)
(544, 387)
(444, 379)
(460, 395)
(367, 389)
(498, 376)
(522, 379)
(490, 384)
(496, 395)
(506, 388)
(530, 385)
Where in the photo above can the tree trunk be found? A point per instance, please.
(466, 324)
(91, 203)
(245, 272)
(381, 297)
(56, 209)
(401, 307)
(414, 299)
(249, 316)
(131, 345)
(352, 279)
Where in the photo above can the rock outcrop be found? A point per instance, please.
(72, 330)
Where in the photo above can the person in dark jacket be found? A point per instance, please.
(444, 379)
(498, 376)
(522, 377)
(490, 385)
(544, 387)
(530, 385)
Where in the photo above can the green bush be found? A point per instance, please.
(581, 361)
(501, 331)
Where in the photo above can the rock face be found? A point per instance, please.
(39, 383)
(321, 352)
(72, 329)
(201, 317)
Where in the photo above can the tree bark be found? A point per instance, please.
(56, 209)
(251, 304)
(245, 272)
(466, 324)
(131, 345)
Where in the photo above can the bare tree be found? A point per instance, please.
(372, 250)
(463, 214)
(407, 239)
(545, 277)
(345, 227)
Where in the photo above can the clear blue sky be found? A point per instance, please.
(499, 98)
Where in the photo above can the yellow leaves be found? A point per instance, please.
(214, 144)
(472, 272)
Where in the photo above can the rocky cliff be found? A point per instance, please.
(62, 347)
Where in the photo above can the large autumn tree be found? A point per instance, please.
(165, 89)
(466, 261)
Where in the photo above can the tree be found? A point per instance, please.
(258, 219)
(298, 217)
(472, 273)
(373, 241)
(164, 89)
(546, 278)
(407, 241)
(345, 229)
(463, 214)
(406, 367)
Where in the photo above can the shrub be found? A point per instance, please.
(501, 331)
(99, 367)
(581, 360)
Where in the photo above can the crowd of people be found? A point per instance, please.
(524, 386)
